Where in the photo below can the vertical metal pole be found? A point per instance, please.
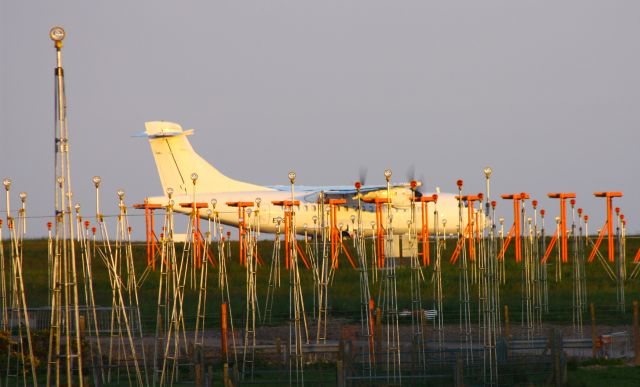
(594, 334)
(610, 228)
(66, 283)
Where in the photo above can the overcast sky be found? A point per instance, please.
(546, 92)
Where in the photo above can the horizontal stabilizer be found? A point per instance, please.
(159, 129)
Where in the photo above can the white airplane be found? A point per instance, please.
(177, 161)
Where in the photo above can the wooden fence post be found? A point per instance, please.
(507, 326)
(594, 333)
(636, 333)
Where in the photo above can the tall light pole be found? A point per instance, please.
(65, 316)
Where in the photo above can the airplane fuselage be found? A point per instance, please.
(190, 178)
(309, 212)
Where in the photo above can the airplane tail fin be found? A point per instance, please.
(176, 161)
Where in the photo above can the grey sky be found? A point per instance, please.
(546, 92)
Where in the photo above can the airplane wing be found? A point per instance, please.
(400, 193)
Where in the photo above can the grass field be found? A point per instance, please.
(344, 299)
(344, 292)
(595, 373)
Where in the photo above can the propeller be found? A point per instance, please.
(411, 172)
(411, 176)
(421, 188)
(362, 175)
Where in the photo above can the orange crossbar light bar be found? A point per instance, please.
(197, 235)
(379, 230)
(564, 245)
(287, 227)
(515, 231)
(286, 203)
(335, 236)
(471, 198)
(197, 205)
(427, 199)
(424, 234)
(608, 226)
(376, 200)
(152, 206)
(152, 239)
(468, 228)
(240, 204)
(242, 225)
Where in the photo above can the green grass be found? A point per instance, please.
(602, 372)
(344, 297)
(344, 292)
